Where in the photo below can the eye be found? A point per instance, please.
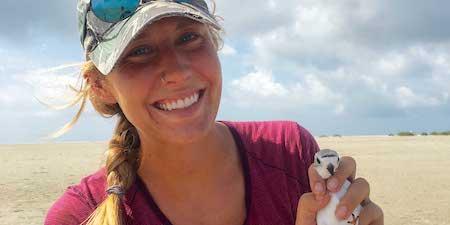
(318, 161)
(188, 37)
(140, 51)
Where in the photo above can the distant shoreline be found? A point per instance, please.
(315, 136)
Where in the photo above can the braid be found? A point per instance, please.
(121, 163)
(121, 168)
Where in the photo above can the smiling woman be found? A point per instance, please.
(169, 161)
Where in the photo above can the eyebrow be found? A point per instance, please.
(180, 25)
(184, 23)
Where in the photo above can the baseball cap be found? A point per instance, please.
(104, 42)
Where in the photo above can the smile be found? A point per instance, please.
(180, 103)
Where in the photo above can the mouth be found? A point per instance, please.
(181, 103)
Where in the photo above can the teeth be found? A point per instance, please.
(187, 101)
(180, 103)
(172, 106)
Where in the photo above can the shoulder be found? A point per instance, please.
(288, 134)
(279, 144)
(78, 201)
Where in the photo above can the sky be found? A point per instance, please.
(348, 67)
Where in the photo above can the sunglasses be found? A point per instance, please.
(107, 13)
(113, 11)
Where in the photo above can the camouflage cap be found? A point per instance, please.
(105, 50)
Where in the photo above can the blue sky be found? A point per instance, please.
(346, 67)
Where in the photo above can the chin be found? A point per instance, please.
(188, 133)
(186, 137)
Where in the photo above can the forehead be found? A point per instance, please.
(167, 26)
(326, 153)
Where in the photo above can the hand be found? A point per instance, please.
(358, 193)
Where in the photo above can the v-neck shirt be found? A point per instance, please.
(275, 157)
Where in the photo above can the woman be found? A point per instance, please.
(155, 65)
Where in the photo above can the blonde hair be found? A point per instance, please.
(122, 156)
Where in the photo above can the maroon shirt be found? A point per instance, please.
(275, 156)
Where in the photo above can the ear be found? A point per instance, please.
(100, 87)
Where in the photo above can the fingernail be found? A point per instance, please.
(332, 184)
(342, 212)
(318, 187)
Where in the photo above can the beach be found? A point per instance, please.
(409, 176)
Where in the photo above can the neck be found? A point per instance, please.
(173, 163)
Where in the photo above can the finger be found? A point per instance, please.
(371, 214)
(317, 183)
(346, 170)
(357, 192)
(308, 207)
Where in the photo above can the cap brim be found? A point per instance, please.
(106, 54)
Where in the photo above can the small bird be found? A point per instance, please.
(326, 162)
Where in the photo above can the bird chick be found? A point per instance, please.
(326, 162)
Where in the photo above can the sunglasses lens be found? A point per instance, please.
(113, 11)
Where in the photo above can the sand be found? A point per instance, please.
(34, 176)
(409, 176)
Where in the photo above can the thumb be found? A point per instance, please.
(308, 207)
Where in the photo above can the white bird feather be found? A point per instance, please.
(326, 162)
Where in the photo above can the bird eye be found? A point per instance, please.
(318, 160)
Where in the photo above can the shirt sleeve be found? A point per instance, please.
(72, 208)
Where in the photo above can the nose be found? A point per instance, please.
(330, 169)
(175, 66)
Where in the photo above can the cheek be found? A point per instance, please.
(208, 64)
(132, 88)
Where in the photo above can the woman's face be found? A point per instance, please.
(173, 65)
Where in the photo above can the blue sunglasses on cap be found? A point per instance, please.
(113, 11)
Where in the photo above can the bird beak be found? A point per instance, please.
(330, 169)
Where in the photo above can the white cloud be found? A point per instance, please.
(52, 85)
(227, 50)
(260, 89)
(259, 83)
(407, 98)
(392, 64)
(272, 4)
(314, 91)
(315, 20)
(348, 71)
(45, 113)
(340, 109)
(6, 98)
(11, 94)
(445, 96)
